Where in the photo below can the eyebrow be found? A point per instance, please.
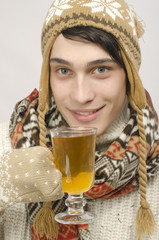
(100, 61)
(60, 60)
(94, 62)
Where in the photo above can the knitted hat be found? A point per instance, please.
(117, 18)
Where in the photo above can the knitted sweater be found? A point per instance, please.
(121, 211)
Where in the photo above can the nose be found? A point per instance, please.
(83, 92)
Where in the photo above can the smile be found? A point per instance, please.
(84, 115)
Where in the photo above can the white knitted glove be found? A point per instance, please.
(28, 175)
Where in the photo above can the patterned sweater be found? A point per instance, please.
(14, 224)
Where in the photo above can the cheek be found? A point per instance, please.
(118, 86)
(112, 90)
(120, 89)
(55, 89)
(59, 91)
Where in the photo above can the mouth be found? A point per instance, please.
(86, 115)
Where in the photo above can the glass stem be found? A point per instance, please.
(75, 204)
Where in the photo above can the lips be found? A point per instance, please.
(86, 115)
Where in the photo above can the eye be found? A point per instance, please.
(63, 71)
(100, 70)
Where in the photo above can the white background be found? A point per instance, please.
(20, 51)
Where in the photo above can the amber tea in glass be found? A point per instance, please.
(74, 156)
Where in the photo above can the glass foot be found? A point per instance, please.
(66, 218)
(75, 213)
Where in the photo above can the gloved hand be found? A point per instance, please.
(28, 175)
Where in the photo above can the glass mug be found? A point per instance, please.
(74, 156)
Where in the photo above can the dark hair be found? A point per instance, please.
(104, 39)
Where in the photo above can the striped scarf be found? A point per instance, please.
(116, 167)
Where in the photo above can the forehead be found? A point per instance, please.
(73, 49)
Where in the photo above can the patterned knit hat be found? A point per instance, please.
(117, 18)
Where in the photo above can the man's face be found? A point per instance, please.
(89, 87)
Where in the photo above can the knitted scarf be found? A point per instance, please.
(116, 168)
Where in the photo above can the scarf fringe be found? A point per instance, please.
(44, 224)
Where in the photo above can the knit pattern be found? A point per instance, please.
(116, 168)
(116, 220)
(5, 143)
(120, 211)
(111, 16)
(28, 176)
(14, 223)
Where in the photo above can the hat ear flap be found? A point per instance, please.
(44, 85)
(44, 96)
(136, 93)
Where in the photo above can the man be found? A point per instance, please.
(89, 77)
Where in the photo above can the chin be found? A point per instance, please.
(101, 130)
